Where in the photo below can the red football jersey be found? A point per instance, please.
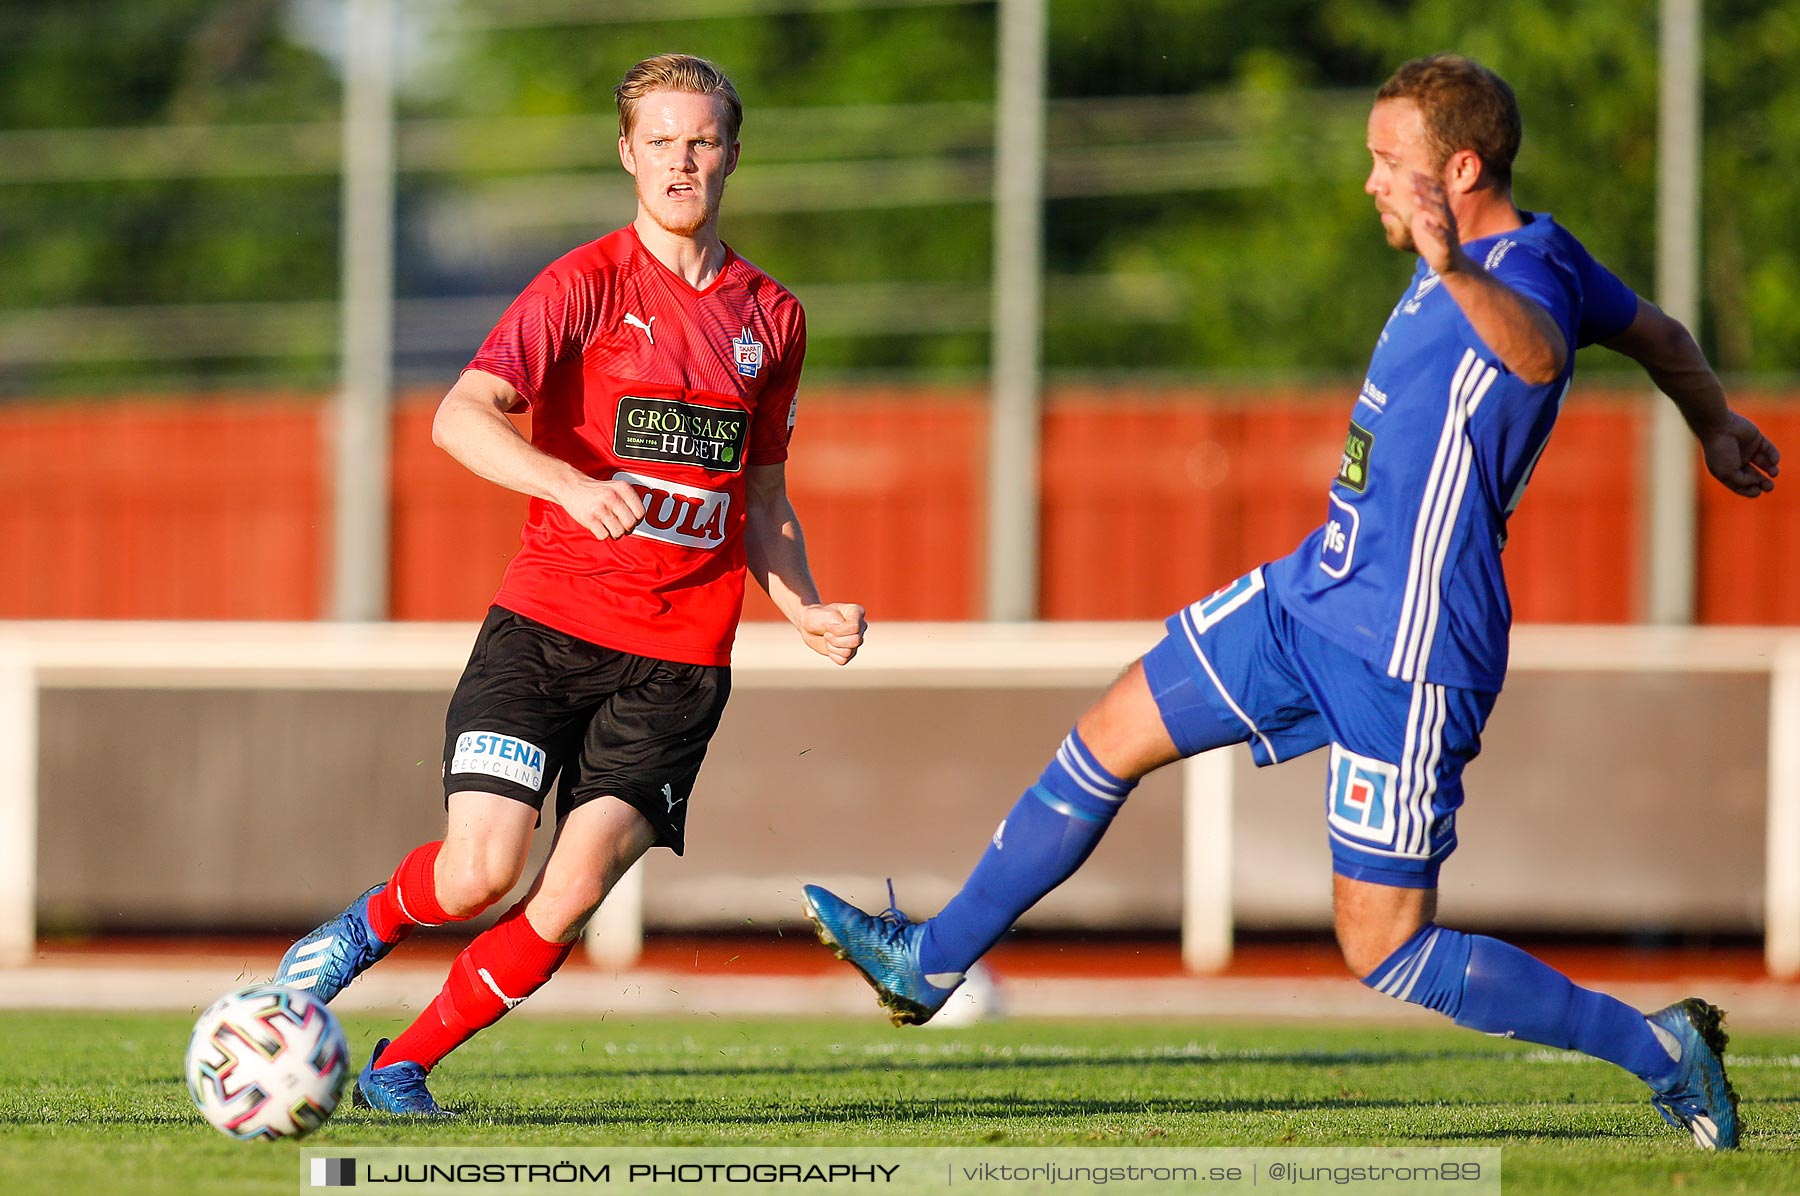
(632, 374)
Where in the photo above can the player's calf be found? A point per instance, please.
(494, 974)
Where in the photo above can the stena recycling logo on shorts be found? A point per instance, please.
(498, 755)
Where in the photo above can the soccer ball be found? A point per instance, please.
(977, 999)
(267, 1062)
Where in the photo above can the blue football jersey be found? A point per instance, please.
(1406, 570)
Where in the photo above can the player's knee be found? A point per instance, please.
(1124, 730)
(562, 915)
(1365, 946)
(561, 912)
(468, 885)
(1375, 920)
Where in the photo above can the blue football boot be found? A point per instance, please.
(885, 950)
(334, 954)
(1701, 1100)
(396, 1088)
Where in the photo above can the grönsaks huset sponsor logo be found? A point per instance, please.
(681, 433)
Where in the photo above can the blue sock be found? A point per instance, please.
(1045, 837)
(1487, 985)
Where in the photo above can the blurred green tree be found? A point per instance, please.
(1205, 167)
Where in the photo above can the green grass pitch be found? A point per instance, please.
(95, 1102)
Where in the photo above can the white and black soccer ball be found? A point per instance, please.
(267, 1062)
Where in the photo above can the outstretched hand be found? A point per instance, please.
(1434, 224)
(1741, 457)
(833, 629)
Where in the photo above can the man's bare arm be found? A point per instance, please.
(775, 554)
(471, 426)
(1736, 452)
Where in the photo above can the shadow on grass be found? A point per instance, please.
(922, 1111)
(1520, 1135)
(926, 1064)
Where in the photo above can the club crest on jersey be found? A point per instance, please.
(1360, 803)
(1427, 285)
(747, 353)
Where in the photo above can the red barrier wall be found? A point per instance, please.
(162, 510)
(218, 508)
(1747, 571)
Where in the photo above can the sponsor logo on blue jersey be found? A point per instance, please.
(1373, 395)
(1353, 469)
(496, 755)
(1337, 546)
(1361, 802)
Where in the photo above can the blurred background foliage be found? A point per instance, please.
(169, 196)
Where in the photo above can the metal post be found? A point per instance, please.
(18, 808)
(1781, 879)
(360, 535)
(1013, 423)
(1208, 782)
(615, 934)
(1670, 537)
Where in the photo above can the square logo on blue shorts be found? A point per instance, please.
(1361, 797)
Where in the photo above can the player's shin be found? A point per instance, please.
(1484, 984)
(503, 965)
(1044, 839)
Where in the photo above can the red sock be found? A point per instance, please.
(410, 898)
(504, 965)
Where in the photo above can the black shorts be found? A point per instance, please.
(535, 703)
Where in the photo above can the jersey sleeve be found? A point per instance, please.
(1608, 306)
(550, 319)
(1543, 278)
(772, 426)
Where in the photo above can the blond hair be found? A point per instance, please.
(676, 72)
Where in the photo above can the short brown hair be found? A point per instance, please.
(676, 72)
(1464, 106)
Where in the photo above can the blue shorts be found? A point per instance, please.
(1236, 667)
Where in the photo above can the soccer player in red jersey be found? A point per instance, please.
(660, 369)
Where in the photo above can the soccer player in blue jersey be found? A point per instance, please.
(1384, 635)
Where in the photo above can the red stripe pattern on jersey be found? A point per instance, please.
(633, 374)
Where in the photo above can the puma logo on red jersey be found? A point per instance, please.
(632, 320)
